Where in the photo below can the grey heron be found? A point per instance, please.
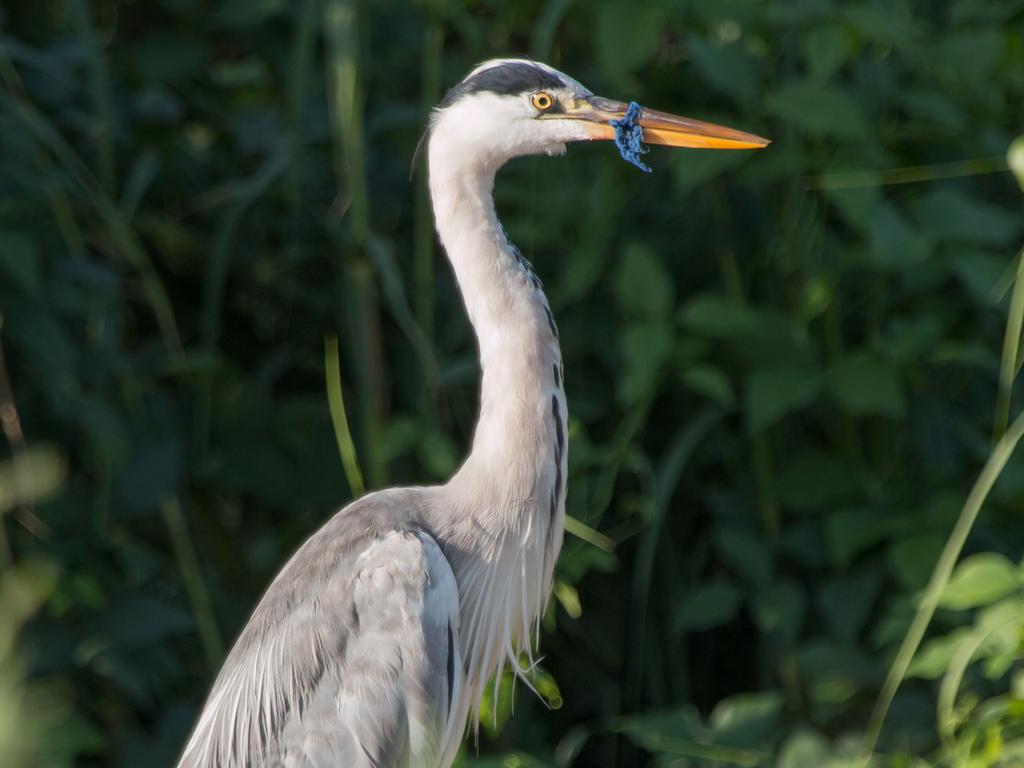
(373, 644)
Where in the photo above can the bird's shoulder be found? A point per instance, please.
(330, 555)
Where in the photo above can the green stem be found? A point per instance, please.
(195, 586)
(423, 246)
(1001, 452)
(357, 289)
(590, 535)
(336, 403)
(64, 218)
(99, 84)
(341, 27)
(907, 175)
(299, 75)
(1011, 352)
(764, 474)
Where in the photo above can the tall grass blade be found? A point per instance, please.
(382, 255)
(590, 535)
(908, 175)
(101, 92)
(423, 232)
(195, 585)
(357, 295)
(345, 98)
(336, 403)
(1011, 352)
(299, 80)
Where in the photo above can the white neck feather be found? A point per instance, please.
(503, 529)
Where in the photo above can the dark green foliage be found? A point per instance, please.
(782, 366)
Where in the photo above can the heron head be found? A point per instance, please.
(510, 107)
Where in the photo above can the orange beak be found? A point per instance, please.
(661, 127)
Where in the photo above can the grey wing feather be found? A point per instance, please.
(350, 659)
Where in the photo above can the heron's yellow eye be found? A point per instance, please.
(542, 101)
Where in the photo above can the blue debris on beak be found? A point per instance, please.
(629, 137)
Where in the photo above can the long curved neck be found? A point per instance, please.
(500, 517)
(522, 405)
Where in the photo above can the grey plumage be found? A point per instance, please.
(347, 654)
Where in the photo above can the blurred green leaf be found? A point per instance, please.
(747, 719)
(137, 621)
(826, 47)
(568, 598)
(151, 474)
(804, 749)
(695, 169)
(709, 605)
(169, 56)
(19, 261)
(729, 13)
(936, 654)
(846, 602)
(779, 609)
(38, 331)
(748, 555)
(879, 25)
(956, 217)
(820, 110)
(862, 383)
(29, 712)
(642, 284)
(979, 580)
(971, 55)
(31, 476)
(912, 560)
(650, 728)
(893, 244)
(834, 481)
(512, 760)
(934, 106)
(982, 272)
(438, 453)
(726, 67)
(646, 349)
(851, 532)
(247, 13)
(857, 204)
(774, 393)
(833, 672)
(1015, 159)
(711, 382)
(718, 317)
(626, 35)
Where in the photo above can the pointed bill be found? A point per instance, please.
(661, 127)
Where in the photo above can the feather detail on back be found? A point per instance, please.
(359, 668)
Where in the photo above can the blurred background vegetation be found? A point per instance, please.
(786, 369)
